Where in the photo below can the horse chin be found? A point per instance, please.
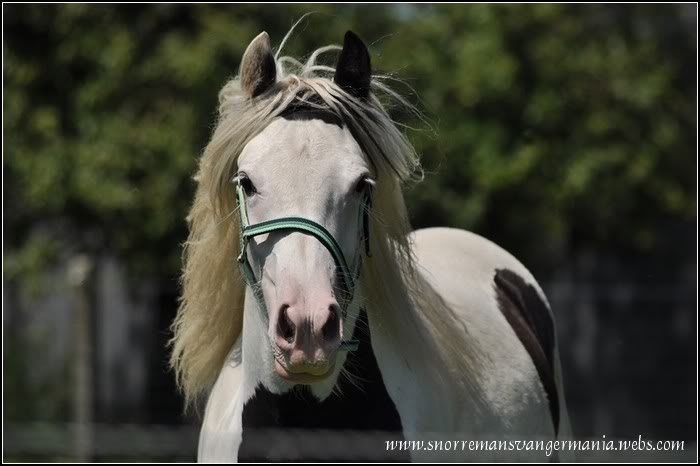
(306, 376)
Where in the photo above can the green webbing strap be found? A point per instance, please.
(316, 230)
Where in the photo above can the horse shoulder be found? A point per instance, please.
(502, 306)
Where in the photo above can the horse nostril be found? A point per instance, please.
(331, 329)
(285, 326)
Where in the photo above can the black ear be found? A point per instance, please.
(354, 70)
(258, 70)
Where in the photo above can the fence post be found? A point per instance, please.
(80, 276)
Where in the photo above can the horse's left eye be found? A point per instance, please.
(361, 185)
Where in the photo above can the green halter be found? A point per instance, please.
(347, 279)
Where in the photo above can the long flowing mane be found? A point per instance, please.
(210, 315)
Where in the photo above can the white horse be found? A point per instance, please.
(340, 332)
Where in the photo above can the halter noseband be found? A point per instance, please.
(318, 231)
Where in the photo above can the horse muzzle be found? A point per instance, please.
(306, 343)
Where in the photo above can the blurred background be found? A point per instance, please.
(565, 133)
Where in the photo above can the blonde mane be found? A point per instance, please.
(210, 315)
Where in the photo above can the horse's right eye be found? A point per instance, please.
(247, 185)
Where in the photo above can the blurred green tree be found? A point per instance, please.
(558, 126)
(555, 125)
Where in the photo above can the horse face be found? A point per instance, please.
(311, 167)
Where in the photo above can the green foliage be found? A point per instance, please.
(555, 124)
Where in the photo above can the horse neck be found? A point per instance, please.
(406, 352)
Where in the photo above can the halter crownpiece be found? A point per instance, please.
(318, 231)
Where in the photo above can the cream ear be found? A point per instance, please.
(258, 71)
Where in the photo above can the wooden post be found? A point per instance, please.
(80, 276)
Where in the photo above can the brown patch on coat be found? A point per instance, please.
(529, 316)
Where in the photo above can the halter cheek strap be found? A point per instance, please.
(347, 278)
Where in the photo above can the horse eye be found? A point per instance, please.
(361, 185)
(247, 185)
